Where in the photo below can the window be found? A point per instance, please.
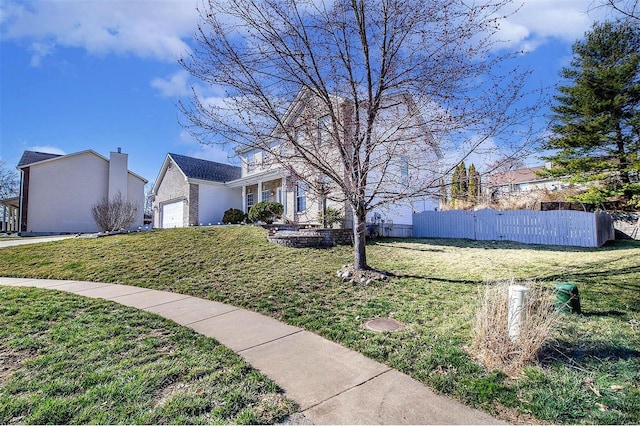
(404, 171)
(301, 197)
(250, 199)
(266, 196)
(324, 130)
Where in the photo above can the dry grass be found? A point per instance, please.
(492, 346)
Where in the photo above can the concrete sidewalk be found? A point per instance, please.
(19, 241)
(332, 384)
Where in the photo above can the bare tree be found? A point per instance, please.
(9, 181)
(115, 214)
(629, 9)
(395, 82)
(148, 199)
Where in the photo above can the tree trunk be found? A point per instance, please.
(359, 238)
(324, 211)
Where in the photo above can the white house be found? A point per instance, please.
(185, 185)
(521, 182)
(57, 192)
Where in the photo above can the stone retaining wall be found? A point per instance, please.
(312, 237)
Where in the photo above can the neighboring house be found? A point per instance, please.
(190, 191)
(57, 192)
(520, 182)
(9, 213)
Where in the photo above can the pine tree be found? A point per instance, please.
(455, 184)
(473, 192)
(596, 122)
(459, 183)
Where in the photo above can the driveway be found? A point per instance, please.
(10, 242)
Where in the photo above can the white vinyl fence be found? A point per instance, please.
(558, 227)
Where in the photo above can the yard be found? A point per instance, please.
(591, 374)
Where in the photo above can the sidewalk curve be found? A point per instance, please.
(332, 384)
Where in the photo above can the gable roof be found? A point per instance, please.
(30, 157)
(196, 168)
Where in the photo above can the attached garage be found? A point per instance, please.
(173, 215)
(192, 192)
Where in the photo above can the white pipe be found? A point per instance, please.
(517, 309)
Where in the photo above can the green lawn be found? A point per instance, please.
(590, 375)
(72, 360)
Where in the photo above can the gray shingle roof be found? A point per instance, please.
(196, 168)
(30, 157)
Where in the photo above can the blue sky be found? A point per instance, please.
(92, 74)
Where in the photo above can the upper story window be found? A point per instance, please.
(324, 130)
(404, 170)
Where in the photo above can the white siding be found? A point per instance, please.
(214, 200)
(62, 192)
(118, 175)
(135, 194)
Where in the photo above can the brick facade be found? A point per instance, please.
(174, 188)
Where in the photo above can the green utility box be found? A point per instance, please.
(567, 298)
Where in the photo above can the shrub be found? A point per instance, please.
(233, 216)
(114, 215)
(334, 216)
(265, 211)
(491, 344)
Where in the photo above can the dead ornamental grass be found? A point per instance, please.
(491, 345)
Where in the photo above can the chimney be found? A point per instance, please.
(118, 174)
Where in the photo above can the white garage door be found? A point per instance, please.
(172, 215)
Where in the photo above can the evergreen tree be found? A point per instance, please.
(459, 183)
(596, 122)
(455, 183)
(474, 188)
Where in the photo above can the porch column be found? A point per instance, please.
(283, 192)
(4, 218)
(244, 198)
(259, 190)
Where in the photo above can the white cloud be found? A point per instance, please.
(148, 29)
(216, 153)
(536, 21)
(49, 149)
(173, 86)
(40, 50)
